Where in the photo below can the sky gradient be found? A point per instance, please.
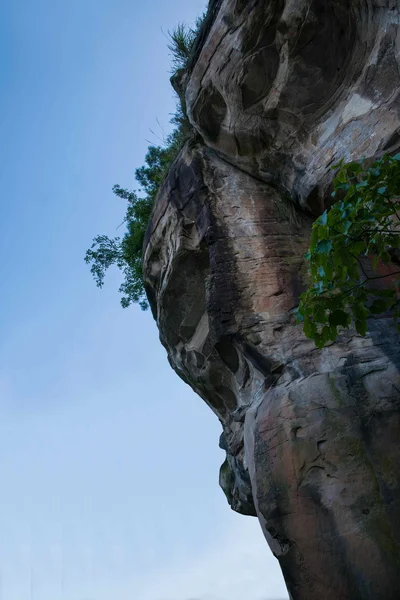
(108, 462)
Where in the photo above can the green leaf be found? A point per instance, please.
(361, 327)
(339, 317)
(309, 328)
(324, 247)
(391, 293)
(346, 226)
(361, 184)
(325, 334)
(358, 247)
(354, 167)
(334, 302)
(319, 287)
(378, 307)
(319, 314)
(324, 218)
(333, 332)
(314, 238)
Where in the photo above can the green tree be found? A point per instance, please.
(126, 253)
(353, 245)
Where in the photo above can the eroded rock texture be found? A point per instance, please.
(279, 91)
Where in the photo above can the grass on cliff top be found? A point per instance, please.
(182, 41)
(126, 253)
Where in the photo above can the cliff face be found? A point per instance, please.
(280, 91)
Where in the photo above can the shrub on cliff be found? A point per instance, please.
(182, 42)
(126, 253)
(180, 46)
(353, 245)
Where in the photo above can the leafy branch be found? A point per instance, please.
(126, 253)
(352, 247)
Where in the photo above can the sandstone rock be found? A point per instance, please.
(283, 89)
(279, 91)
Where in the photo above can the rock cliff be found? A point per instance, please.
(278, 91)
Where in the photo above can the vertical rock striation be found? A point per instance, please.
(277, 92)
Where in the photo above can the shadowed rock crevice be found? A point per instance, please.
(279, 92)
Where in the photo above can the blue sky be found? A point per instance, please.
(108, 462)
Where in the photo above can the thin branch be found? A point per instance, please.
(381, 276)
(360, 263)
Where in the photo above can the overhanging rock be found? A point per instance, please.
(278, 93)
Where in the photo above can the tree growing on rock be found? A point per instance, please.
(126, 253)
(353, 256)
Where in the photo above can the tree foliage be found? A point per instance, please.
(353, 245)
(126, 253)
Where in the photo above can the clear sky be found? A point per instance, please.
(108, 462)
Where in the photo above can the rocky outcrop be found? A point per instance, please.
(278, 92)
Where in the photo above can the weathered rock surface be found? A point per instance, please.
(279, 91)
